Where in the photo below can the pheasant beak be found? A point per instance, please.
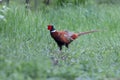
(49, 27)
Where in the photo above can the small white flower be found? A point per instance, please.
(2, 17)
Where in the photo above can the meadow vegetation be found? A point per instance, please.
(27, 52)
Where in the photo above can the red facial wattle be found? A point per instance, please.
(49, 27)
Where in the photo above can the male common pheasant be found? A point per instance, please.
(65, 37)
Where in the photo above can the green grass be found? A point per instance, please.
(26, 47)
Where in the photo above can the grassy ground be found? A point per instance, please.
(26, 47)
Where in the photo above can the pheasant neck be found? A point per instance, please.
(53, 31)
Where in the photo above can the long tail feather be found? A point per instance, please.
(87, 32)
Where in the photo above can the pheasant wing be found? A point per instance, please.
(68, 35)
